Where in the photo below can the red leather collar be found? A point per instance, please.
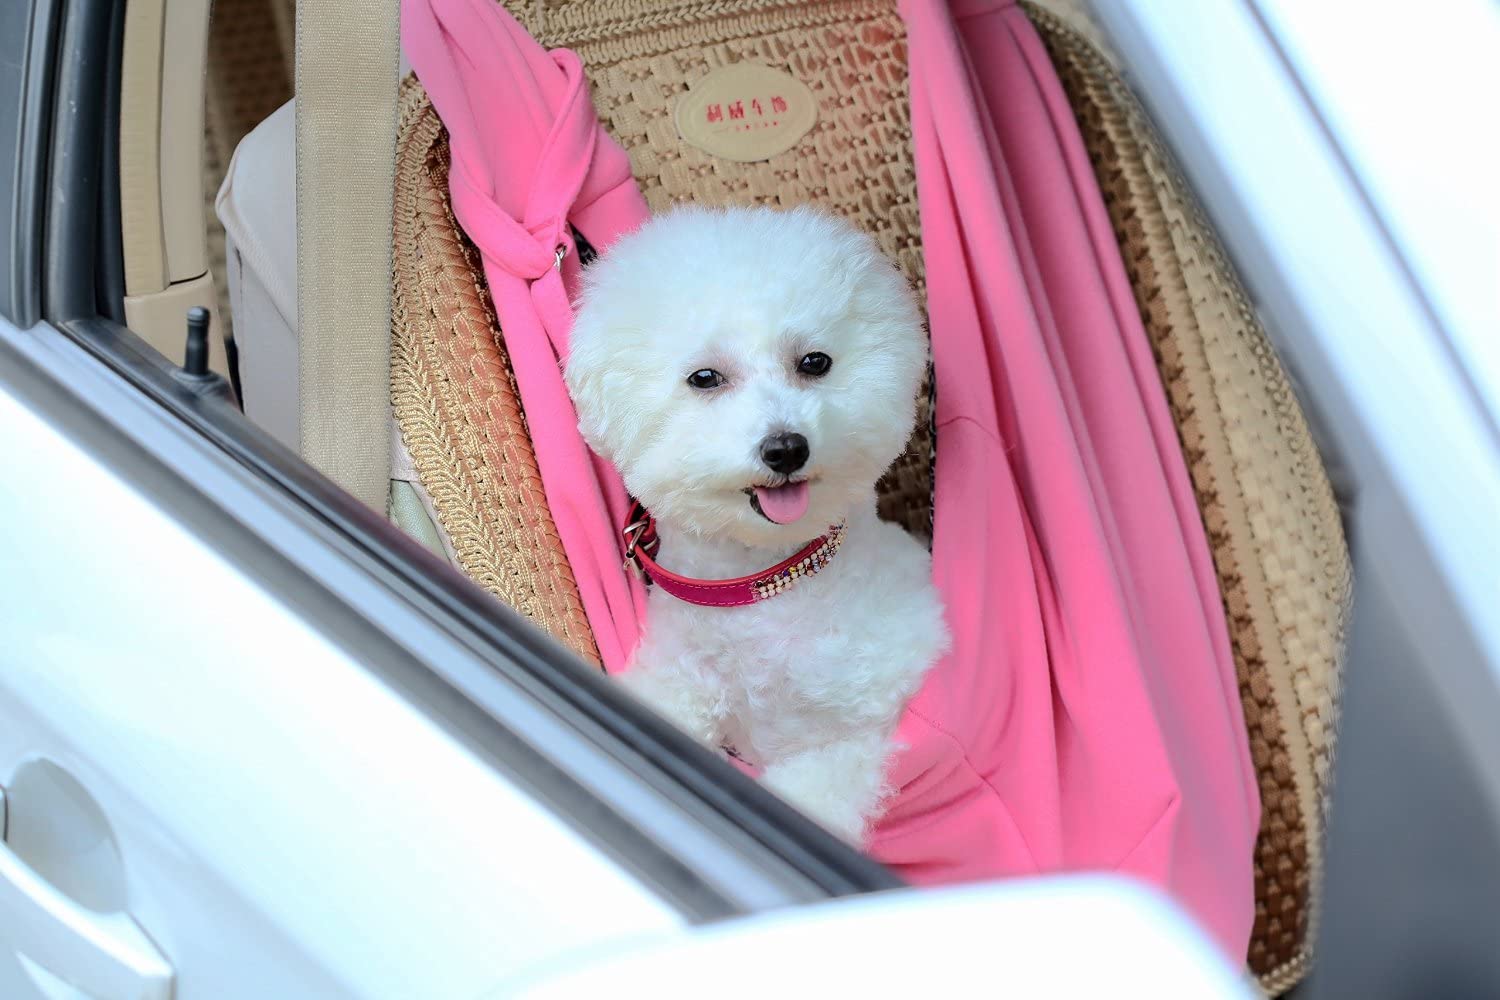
(642, 542)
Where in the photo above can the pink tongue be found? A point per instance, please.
(783, 504)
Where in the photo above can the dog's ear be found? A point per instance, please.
(583, 369)
(602, 373)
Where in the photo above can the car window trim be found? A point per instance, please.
(21, 220)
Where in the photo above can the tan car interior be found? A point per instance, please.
(386, 371)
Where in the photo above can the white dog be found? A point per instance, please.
(752, 373)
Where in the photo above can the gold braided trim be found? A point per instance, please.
(1270, 514)
(613, 30)
(456, 401)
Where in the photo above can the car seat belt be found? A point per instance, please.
(346, 79)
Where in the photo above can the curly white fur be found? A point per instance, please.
(808, 684)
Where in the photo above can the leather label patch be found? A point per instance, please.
(746, 112)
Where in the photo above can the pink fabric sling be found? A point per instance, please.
(1088, 716)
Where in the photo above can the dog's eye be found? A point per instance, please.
(705, 378)
(815, 364)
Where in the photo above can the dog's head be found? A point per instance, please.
(751, 373)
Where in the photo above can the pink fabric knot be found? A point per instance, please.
(528, 249)
(528, 252)
(568, 152)
(553, 234)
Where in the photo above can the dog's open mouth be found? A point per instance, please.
(781, 504)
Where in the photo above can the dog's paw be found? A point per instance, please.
(835, 812)
(686, 707)
(840, 785)
(847, 824)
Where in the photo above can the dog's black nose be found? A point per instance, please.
(784, 453)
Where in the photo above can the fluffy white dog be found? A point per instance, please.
(752, 373)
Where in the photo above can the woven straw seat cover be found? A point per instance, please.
(1267, 505)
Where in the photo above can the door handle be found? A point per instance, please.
(105, 955)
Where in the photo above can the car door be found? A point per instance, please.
(204, 785)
